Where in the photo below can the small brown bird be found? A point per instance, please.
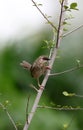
(38, 68)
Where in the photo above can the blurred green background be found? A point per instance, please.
(15, 83)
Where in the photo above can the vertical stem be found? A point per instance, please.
(60, 27)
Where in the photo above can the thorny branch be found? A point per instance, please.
(53, 57)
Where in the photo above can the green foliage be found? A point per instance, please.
(48, 44)
(73, 6)
(78, 62)
(65, 93)
(14, 85)
(37, 4)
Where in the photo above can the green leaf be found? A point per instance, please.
(66, 7)
(40, 5)
(73, 6)
(60, 1)
(64, 22)
(65, 93)
(78, 62)
(65, 29)
(48, 44)
(36, 4)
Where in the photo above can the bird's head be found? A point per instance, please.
(43, 59)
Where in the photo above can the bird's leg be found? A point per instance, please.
(40, 86)
(38, 82)
(32, 86)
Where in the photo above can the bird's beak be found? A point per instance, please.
(46, 58)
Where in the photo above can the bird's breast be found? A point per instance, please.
(37, 71)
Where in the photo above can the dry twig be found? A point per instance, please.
(66, 71)
(66, 34)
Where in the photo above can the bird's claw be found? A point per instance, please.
(41, 87)
(48, 67)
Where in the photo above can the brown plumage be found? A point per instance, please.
(38, 68)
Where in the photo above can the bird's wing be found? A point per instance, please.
(26, 65)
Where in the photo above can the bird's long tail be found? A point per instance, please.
(25, 65)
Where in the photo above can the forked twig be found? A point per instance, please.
(66, 34)
(44, 15)
(8, 114)
(53, 57)
(32, 86)
(66, 71)
(66, 108)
